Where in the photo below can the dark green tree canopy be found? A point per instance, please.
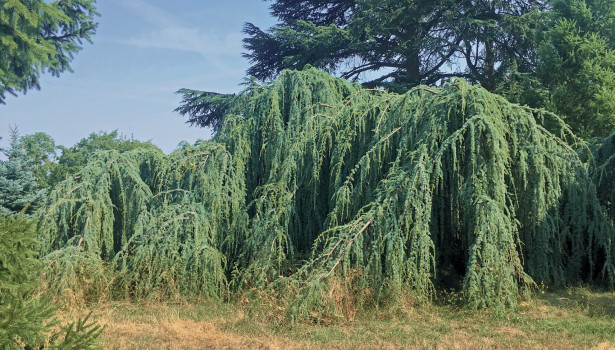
(37, 35)
(391, 44)
(577, 65)
(552, 54)
(401, 44)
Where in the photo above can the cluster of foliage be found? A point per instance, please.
(603, 170)
(37, 35)
(552, 54)
(577, 65)
(53, 163)
(42, 152)
(26, 316)
(162, 220)
(36, 165)
(72, 159)
(312, 180)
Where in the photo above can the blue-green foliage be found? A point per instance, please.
(313, 180)
(161, 221)
(603, 171)
(18, 185)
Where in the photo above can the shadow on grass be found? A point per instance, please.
(595, 302)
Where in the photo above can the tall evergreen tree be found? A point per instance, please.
(402, 44)
(388, 43)
(22, 316)
(37, 35)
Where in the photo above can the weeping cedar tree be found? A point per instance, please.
(39, 35)
(603, 171)
(313, 180)
(163, 221)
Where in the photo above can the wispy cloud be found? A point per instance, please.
(171, 33)
(148, 12)
(204, 42)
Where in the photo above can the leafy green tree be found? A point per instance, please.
(40, 147)
(76, 157)
(577, 64)
(42, 151)
(18, 186)
(37, 35)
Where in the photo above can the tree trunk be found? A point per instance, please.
(489, 73)
(413, 71)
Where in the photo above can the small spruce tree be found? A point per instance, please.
(27, 315)
(22, 316)
(18, 185)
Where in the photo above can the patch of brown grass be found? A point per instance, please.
(173, 332)
(182, 334)
(538, 324)
(604, 346)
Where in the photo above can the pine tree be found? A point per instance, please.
(23, 317)
(26, 315)
(39, 35)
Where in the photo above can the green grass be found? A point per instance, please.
(575, 318)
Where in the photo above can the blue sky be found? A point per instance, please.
(143, 52)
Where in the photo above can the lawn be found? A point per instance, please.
(573, 318)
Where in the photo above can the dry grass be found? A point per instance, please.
(564, 320)
(184, 334)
